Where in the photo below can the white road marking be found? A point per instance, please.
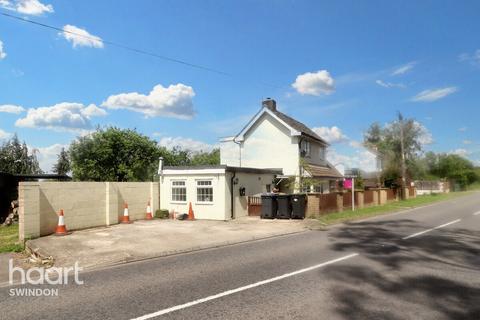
(476, 213)
(247, 287)
(428, 230)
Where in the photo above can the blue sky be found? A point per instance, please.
(337, 66)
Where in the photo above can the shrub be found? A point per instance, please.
(161, 214)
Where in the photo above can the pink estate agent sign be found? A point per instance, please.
(347, 184)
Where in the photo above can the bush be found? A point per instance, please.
(161, 214)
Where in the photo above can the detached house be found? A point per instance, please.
(274, 140)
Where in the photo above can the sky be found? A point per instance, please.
(337, 66)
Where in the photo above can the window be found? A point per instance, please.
(322, 153)
(204, 191)
(179, 191)
(268, 187)
(305, 148)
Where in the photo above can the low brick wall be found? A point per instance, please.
(85, 204)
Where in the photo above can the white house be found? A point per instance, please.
(274, 140)
(215, 192)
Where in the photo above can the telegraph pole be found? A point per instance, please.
(402, 150)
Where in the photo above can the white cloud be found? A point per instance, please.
(3, 54)
(47, 156)
(331, 135)
(425, 136)
(174, 101)
(10, 108)
(389, 84)
(314, 83)
(467, 141)
(434, 94)
(361, 159)
(473, 58)
(186, 143)
(29, 7)
(462, 129)
(4, 135)
(65, 116)
(403, 69)
(460, 152)
(80, 37)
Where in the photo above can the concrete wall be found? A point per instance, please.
(85, 204)
(216, 210)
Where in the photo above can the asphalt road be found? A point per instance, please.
(421, 264)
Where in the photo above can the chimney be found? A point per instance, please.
(270, 104)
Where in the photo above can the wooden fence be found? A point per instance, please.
(254, 206)
(368, 197)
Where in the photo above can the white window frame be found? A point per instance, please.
(305, 147)
(204, 186)
(323, 153)
(172, 186)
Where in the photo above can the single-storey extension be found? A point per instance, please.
(216, 192)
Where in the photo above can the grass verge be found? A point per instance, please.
(419, 201)
(9, 239)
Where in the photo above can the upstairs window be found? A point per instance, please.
(179, 191)
(204, 191)
(323, 153)
(305, 148)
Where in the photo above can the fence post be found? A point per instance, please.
(339, 201)
(360, 199)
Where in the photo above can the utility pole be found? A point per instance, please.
(402, 150)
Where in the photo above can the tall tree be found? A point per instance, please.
(456, 169)
(62, 166)
(113, 154)
(399, 144)
(15, 158)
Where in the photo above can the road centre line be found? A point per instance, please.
(428, 230)
(240, 289)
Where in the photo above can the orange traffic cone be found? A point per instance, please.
(61, 229)
(149, 212)
(125, 217)
(191, 216)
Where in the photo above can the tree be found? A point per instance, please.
(455, 168)
(15, 158)
(113, 154)
(206, 158)
(62, 166)
(399, 144)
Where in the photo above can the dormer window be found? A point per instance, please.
(323, 153)
(305, 148)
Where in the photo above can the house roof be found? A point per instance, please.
(218, 168)
(328, 171)
(297, 125)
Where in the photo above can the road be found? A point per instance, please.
(420, 264)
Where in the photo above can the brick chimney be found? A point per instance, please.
(270, 104)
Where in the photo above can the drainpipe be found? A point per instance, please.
(232, 214)
(239, 151)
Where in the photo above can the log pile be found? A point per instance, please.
(13, 216)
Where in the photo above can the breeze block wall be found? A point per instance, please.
(85, 204)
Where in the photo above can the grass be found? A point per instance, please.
(349, 215)
(9, 239)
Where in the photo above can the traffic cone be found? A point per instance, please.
(149, 212)
(125, 217)
(61, 229)
(191, 216)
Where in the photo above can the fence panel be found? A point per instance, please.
(391, 194)
(368, 197)
(254, 206)
(328, 202)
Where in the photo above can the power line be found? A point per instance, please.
(119, 45)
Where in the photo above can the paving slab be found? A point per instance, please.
(93, 248)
